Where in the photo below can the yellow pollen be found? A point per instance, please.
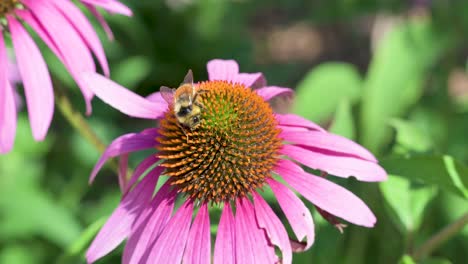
(230, 153)
(7, 6)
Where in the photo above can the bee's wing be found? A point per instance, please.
(167, 93)
(188, 78)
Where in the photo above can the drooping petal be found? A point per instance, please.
(8, 113)
(245, 252)
(121, 98)
(335, 164)
(111, 6)
(264, 250)
(122, 173)
(74, 51)
(270, 92)
(170, 244)
(140, 169)
(199, 245)
(225, 246)
(273, 227)
(326, 195)
(298, 215)
(225, 70)
(252, 80)
(119, 224)
(327, 141)
(149, 224)
(125, 144)
(101, 21)
(36, 79)
(85, 29)
(296, 121)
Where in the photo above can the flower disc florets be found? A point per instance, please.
(230, 153)
(6, 6)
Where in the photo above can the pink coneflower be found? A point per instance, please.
(68, 33)
(239, 149)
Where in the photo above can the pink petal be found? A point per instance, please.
(123, 165)
(140, 169)
(7, 104)
(125, 144)
(245, 247)
(224, 250)
(170, 245)
(296, 121)
(327, 141)
(335, 164)
(252, 80)
(298, 215)
(36, 79)
(85, 29)
(264, 251)
(273, 227)
(157, 98)
(111, 6)
(101, 21)
(149, 225)
(76, 55)
(330, 197)
(121, 98)
(199, 244)
(225, 70)
(270, 92)
(119, 224)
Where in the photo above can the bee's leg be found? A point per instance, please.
(183, 130)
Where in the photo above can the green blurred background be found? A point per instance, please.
(390, 74)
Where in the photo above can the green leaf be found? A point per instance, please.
(442, 171)
(407, 201)
(343, 123)
(395, 77)
(410, 137)
(79, 245)
(324, 87)
(406, 259)
(14, 254)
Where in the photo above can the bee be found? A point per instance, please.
(185, 101)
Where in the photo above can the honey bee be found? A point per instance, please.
(185, 101)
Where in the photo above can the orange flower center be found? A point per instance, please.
(7, 6)
(229, 153)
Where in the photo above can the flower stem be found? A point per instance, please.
(439, 238)
(77, 121)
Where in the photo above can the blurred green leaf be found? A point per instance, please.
(131, 71)
(407, 201)
(395, 77)
(14, 254)
(442, 171)
(411, 137)
(406, 259)
(343, 123)
(324, 87)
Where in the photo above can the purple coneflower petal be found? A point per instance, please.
(270, 92)
(298, 215)
(141, 168)
(199, 244)
(244, 246)
(122, 172)
(101, 21)
(36, 79)
(327, 141)
(170, 245)
(126, 144)
(296, 121)
(158, 99)
(225, 70)
(119, 224)
(149, 225)
(121, 98)
(8, 113)
(111, 6)
(85, 29)
(273, 227)
(225, 246)
(252, 80)
(330, 197)
(264, 251)
(335, 163)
